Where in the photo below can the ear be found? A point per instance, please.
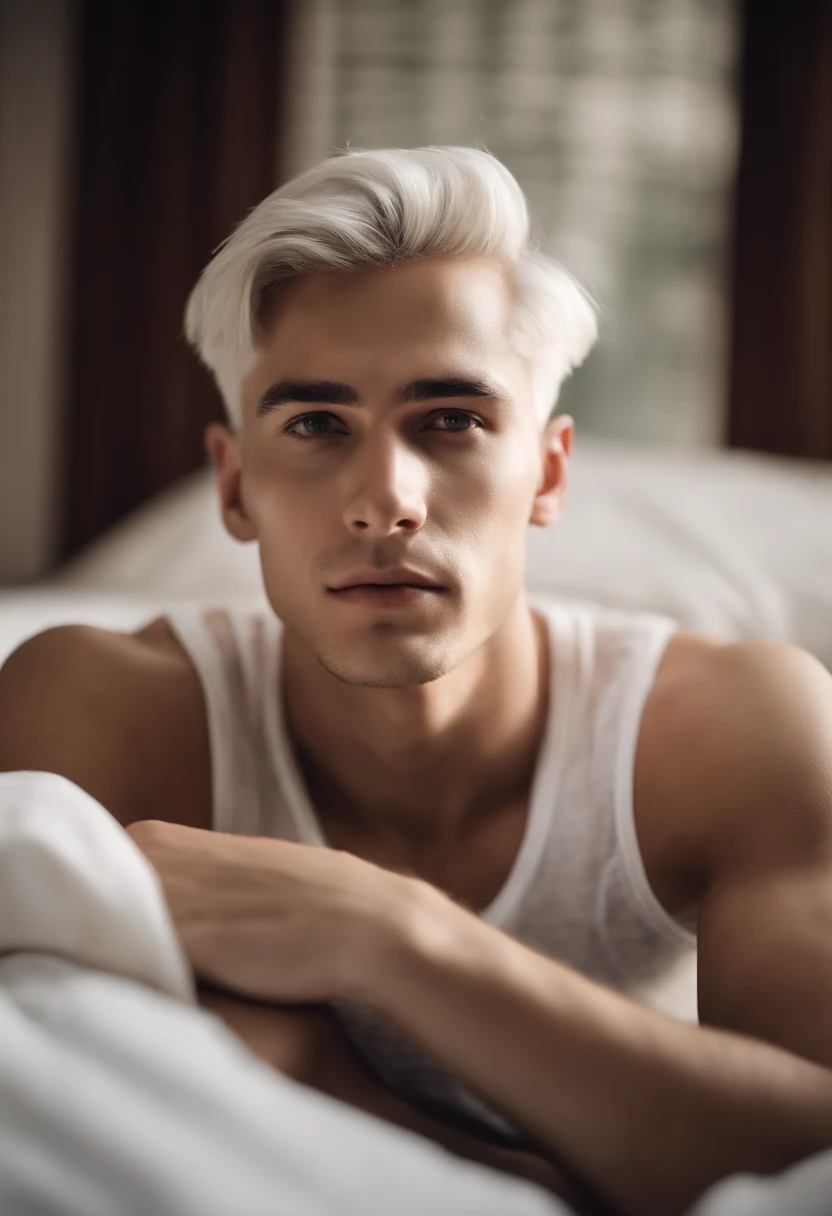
(222, 446)
(556, 446)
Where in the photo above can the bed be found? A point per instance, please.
(731, 543)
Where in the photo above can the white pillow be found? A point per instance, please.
(733, 543)
(174, 546)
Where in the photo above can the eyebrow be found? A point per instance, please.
(329, 392)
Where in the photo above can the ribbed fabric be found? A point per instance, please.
(577, 889)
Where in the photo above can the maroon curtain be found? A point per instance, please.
(178, 129)
(781, 374)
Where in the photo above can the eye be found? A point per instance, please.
(464, 416)
(289, 430)
(320, 419)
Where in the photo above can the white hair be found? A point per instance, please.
(361, 209)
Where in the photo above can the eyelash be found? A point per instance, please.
(328, 434)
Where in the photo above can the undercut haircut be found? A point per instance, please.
(363, 209)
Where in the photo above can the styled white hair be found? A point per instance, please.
(361, 209)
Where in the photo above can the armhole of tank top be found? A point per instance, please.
(644, 900)
(199, 645)
(550, 762)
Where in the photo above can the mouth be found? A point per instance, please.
(388, 595)
(393, 576)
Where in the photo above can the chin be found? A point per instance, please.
(380, 665)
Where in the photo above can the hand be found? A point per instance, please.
(272, 919)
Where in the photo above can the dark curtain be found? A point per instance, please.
(781, 374)
(177, 140)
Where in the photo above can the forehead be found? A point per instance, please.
(427, 308)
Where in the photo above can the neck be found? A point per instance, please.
(424, 762)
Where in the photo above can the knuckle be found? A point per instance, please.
(147, 831)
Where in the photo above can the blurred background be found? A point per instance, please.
(677, 156)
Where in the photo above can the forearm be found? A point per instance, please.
(308, 1045)
(338, 1073)
(648, 1110)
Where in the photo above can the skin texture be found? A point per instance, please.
(416, 731)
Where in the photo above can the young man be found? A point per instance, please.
(530, 808)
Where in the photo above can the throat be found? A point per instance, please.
(471, 866)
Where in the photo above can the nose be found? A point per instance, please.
(386, 490)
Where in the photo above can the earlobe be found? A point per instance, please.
(222, 447)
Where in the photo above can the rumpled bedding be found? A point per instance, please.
(119, 1096)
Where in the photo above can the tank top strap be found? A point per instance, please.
(639, 935)
(648, 644)
(232, 653)
(590, 902)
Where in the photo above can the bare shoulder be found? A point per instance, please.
(735, 746)
(120, 714)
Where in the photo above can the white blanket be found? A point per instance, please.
(119, 1096)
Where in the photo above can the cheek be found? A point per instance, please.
(289, 539)
(288, 525)
(269, 494)
(282, 516)
(498, 500)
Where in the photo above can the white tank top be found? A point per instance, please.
(577, 889)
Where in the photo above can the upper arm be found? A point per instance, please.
(765, 919)
(67, 705)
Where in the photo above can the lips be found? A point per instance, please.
(397, 577)
(388, 595)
